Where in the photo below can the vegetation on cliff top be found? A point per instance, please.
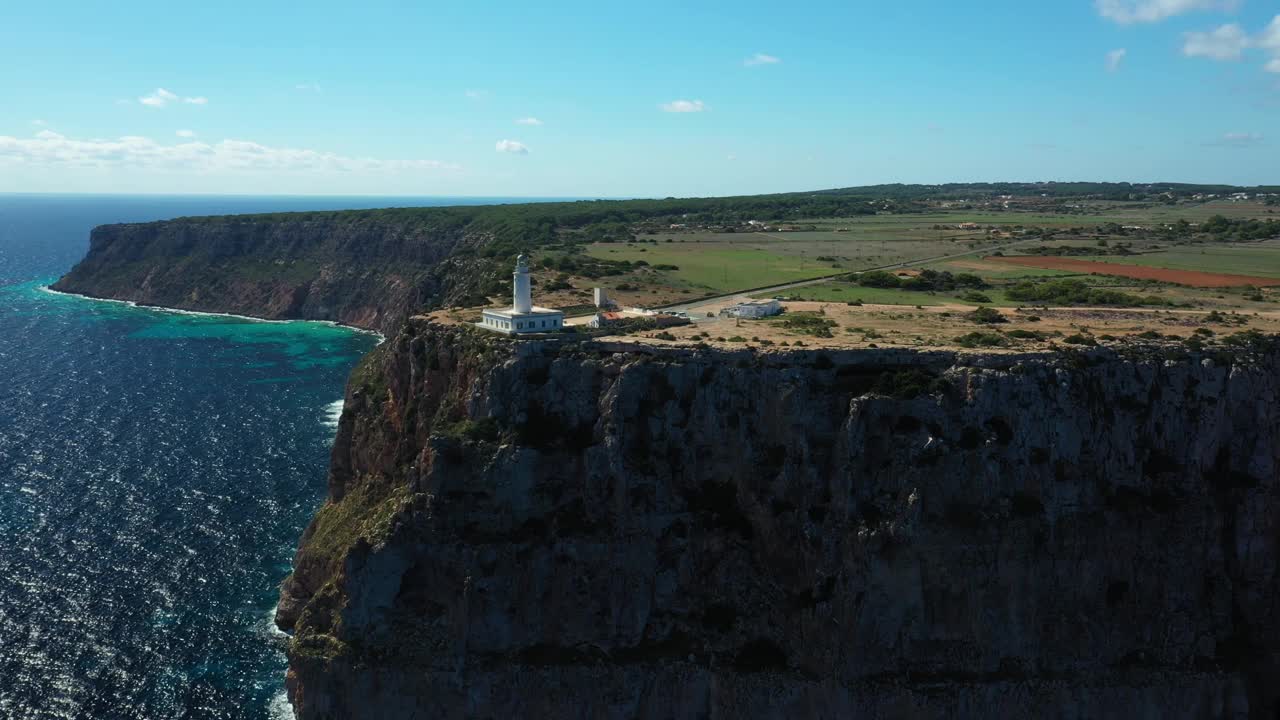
(520, 227)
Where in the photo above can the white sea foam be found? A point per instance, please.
(280, 709)
(332, 413)
(269, 627)
(199, 313)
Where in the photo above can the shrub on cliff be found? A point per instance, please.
(987, 316)
(807, 323)
(484, 430)
(981, 339)
(907, 384)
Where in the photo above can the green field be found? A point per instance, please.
(714, 259)
(1262, 259)
(720, 268)
(728, 261)
(995, 271)
(847, 292)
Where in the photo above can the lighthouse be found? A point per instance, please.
(522, 300)
(523, 316)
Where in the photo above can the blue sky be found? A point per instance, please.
(629, 99)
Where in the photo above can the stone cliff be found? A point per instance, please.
(592, 529)
(366, 269)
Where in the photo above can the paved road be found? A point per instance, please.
(739, 296)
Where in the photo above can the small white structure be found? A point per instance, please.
(754, 309)
(605, 319)
(601, 297)
(523, 316)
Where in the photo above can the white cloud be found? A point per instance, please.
(311, 86)
(1225, 43)
(1238, 140)
(186, 133)
(1127, 12)
(1269, 40)
(683, 106)
(477, 94)
(162, 97)
(48, 149)
(1114, 58)
(39, 123)
(159, 98)
(761, 59)
(528, 121)
(511, 146)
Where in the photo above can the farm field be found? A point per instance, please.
(718, 267)
(844, 292)
(683, 266)
(722, 262)
(1193, 278)
(992, 269)
(1193, 212)
(876, 248)
(924, 222)
(1258, 259)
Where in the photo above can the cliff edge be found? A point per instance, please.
(368, 269)
(596, 529)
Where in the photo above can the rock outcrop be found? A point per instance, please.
(586, 529)
(367, 269)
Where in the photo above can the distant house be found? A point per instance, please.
(604, 319)
(754, 309)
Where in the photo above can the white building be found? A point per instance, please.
(601, 298)
(754, 309)
(523, 316)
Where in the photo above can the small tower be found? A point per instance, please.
(522, 294)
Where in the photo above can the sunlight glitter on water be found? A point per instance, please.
(150, 483)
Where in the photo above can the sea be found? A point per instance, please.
(156, 471)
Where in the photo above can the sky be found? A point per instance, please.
(656, 99)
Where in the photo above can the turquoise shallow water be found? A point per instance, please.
(156, 470)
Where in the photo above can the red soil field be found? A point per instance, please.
(1193, 278)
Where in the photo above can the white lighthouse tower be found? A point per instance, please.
(523, 316)
(522, 294)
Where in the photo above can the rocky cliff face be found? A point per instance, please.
(358, 269)
(525, 529)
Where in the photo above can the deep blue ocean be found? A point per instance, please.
(156, 471)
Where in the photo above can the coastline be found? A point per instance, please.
(179, 311)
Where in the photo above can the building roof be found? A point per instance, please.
(535, 311)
